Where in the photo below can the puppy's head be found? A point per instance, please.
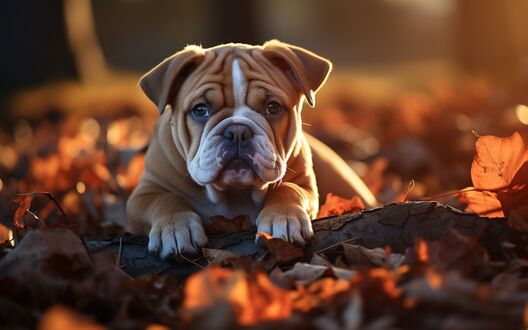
(236, 108)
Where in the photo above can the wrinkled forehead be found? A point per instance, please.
(235, 70)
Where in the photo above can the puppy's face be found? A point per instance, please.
(236, 110)
(238, 113)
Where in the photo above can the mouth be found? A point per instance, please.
(237, 173)
(238, 164)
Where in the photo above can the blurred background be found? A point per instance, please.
(412, 80)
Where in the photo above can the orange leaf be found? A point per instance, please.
(253, 299)
(335, 205)
(484, 203)
(24, 203)
(497, 161)
(500, 176)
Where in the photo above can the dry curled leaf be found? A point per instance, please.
(499, 173)
(214, 256)
(335, 205)
(24, 203)
(282, 250)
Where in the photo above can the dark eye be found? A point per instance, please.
(201, 110)
(273, 108)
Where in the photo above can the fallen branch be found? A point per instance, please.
(395, 225)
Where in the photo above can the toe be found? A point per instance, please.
(198, 236)
(154, 239)
(280, 228)
(168, 242)
(183, 239)
(294, 230)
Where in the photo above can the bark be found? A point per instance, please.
(394, 225)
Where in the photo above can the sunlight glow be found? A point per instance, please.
(463, 123)
(1, 185)
(80, 187)
(522, 113)
(90, 129)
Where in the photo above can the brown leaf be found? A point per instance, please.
(360, 256)
(335, 205)
(282, 250)
(303, 273)
(454, 251)
(218, 257)
(221, 225)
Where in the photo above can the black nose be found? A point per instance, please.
(237, 133)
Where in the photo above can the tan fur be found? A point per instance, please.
(184, 184)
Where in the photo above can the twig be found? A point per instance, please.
(336, 244)
(191, 261)
(409, 189)
(163, 269)
(118, 259)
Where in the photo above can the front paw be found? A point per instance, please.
(291, 223)
(183, 233)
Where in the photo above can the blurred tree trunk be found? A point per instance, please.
(82, 38)
(487, 38)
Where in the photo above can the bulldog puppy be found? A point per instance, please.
(229, 142)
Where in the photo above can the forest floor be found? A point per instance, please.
(70, 156)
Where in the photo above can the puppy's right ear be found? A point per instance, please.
(159, 84)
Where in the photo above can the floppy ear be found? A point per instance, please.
(309, 70)
(159, 84)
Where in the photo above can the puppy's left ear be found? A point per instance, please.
(160, 83)
(309, 70)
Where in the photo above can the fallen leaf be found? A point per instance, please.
(253, 298)
(335, 205)
(282, 250)
(497, 161)
(318, 293)
(499, 173)
(484, 203)
(218, 257)
(363, 257)
(453, 251)
(320, 260)
(304, 273)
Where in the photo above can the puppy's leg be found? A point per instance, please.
(287, 213)
(335, 176)
(290, 206)
(173, 228)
